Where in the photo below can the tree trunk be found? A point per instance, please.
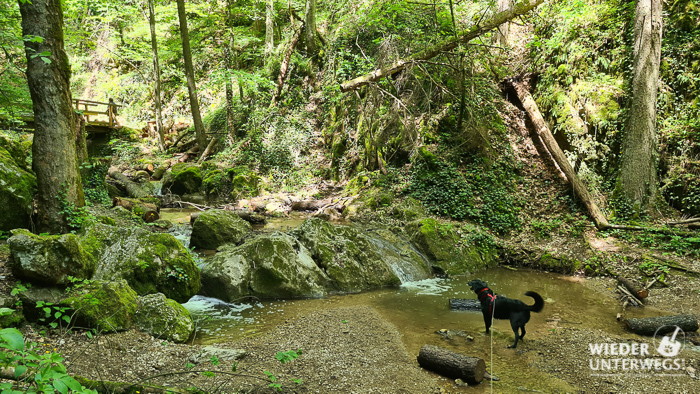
(285, 66)
(269, 27)
(662, 325)
(156, 76)
(634, 287)
(580, 189)
(54, 151)
(637, 182)
(452, 365)
(500, 37)
(310, 24)
(189, 72)
(228, 55)
(81, 151)
(447, 45)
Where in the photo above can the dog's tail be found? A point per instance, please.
(539, 302)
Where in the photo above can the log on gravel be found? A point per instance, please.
(634, 287)
(463, 304)
(662, 325)
(451, 364)
(132, 188)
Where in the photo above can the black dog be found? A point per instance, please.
(501, 307)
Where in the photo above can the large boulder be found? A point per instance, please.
(105, 305)
(443, 246)
(17, 188)
(217, 227)
(49, 260)
(270, 266)
(355, 260)
(164, 318)
(149, 262)
(183, 178)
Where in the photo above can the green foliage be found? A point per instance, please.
(480, 192)
(75, 216)
(36, 370)
(94, 186)
(55, 316)
(287, 356)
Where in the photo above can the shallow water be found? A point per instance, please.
(419, 309)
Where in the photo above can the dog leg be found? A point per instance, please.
(517, 337)
(487, 323)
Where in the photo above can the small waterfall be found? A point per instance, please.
(157, 187)
(406, 263)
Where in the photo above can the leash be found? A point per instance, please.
(491, 332)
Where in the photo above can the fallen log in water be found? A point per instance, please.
(248, 216)
(661, 325)
(463, 304)
(452, 365)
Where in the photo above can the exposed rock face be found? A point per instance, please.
(316, 259)
(217, 227)
(149, 262)
(355, 260)
(50, 259)
(442, 246)
(164, 318)
(270, 266)
(106, 306)
(17, 188)
(183, 178)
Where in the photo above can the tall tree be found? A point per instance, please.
(637, 180)
(189, 73)
(310, 24)
(269, 27)
(54, 148)
(156, 75)
(228, 57)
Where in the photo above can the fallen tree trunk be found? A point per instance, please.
(634, 287)
(132, 188)
(248, 216)
(310, 205)
(462, 304)
(147, 211)
(687, 221)
(452, 365)
(447, 45)
(580, 189)
(208, 150)
(285, 66)
(662, 325)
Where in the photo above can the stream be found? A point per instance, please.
(418, 309)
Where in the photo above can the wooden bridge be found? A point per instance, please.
(102, 121)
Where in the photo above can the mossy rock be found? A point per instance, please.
(50, 259)
(247, 184)
(408, 209)
(20, 149)
(14, 319)
(17, 188)
(217, 227)
(270, 266)
(149, 262)
(215, 182)
(355, 260)
(30, 297)
(105, 305)
(442, 245)
(164, 318)
(183, 178)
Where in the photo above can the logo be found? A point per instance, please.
(632, 358)
(669, 346)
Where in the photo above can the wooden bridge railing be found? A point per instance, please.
(88, 109)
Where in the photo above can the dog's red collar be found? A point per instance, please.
(487, 295)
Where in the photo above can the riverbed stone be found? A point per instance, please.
(272, 265)
(107, 306)
(440, 243)
(183, 178)
(17, 188)
(163, 318)
(49, 259)
(206, 353)
(350, 257)
(217, 227)
(149, 262)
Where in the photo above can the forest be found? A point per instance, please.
(172, 171)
